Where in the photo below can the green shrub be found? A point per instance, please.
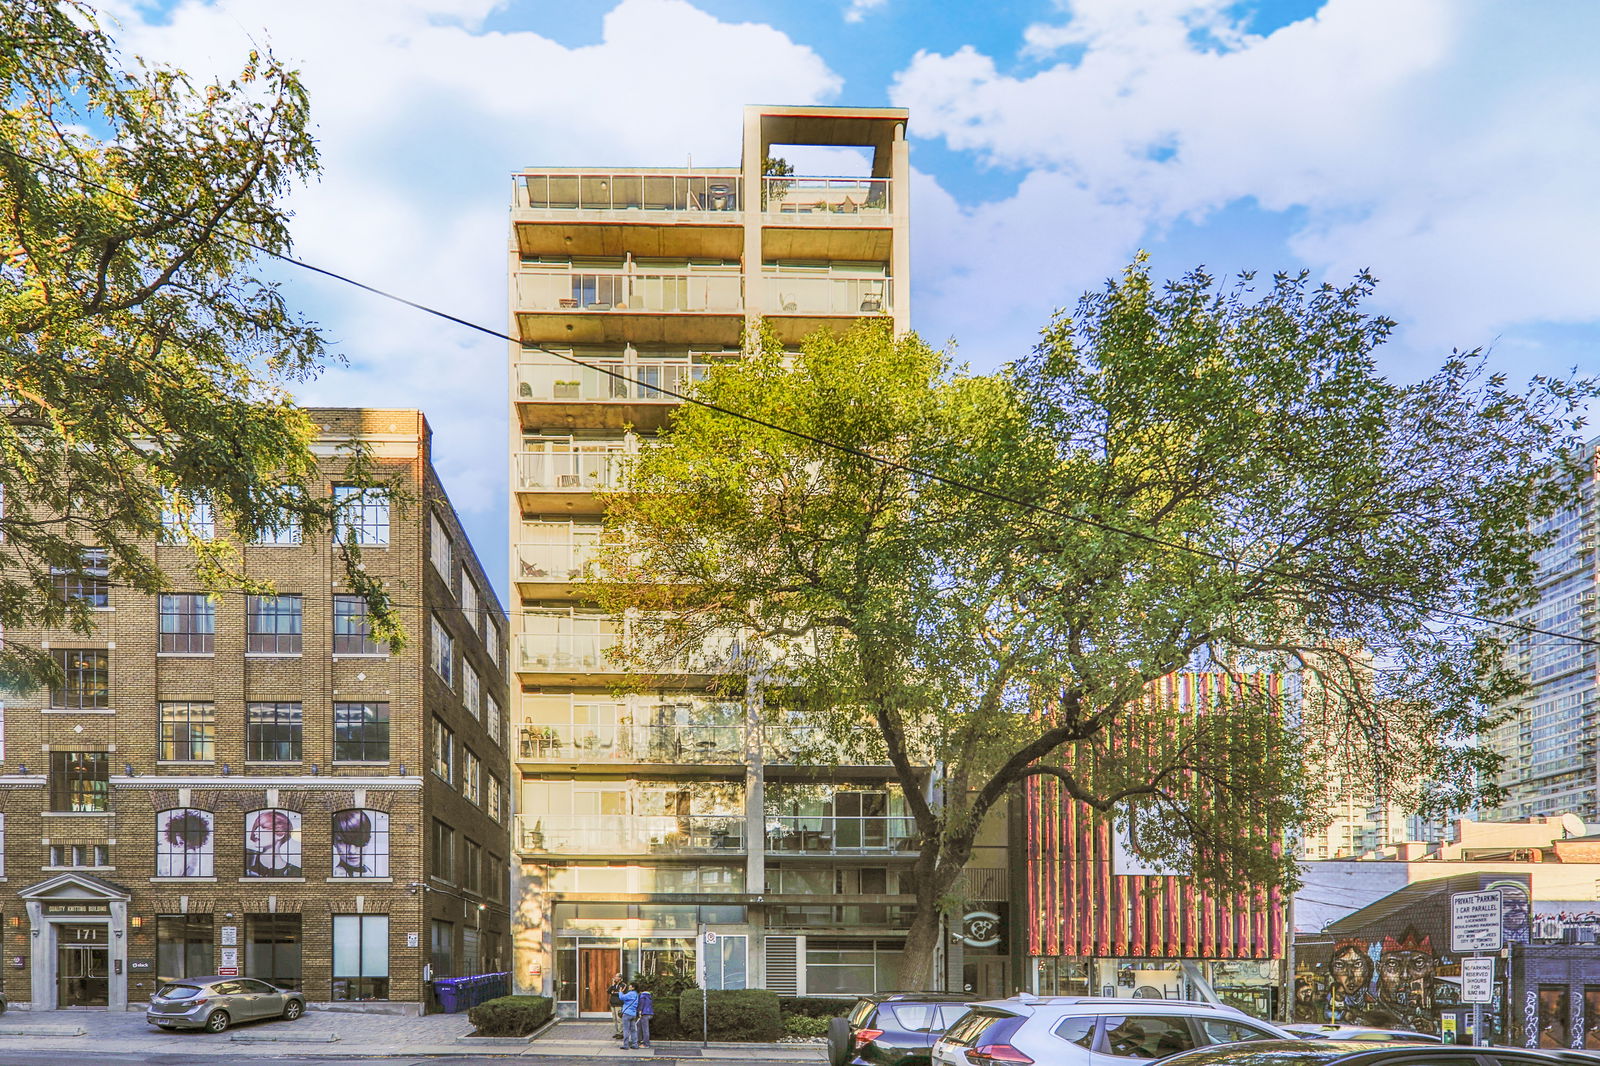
(805, 1025)
(816, 1006)
(510, 1015)
(746, 1014)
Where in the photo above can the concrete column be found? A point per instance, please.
(900, 254)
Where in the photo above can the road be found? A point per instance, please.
(223, 1058)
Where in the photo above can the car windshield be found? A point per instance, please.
(178, 992)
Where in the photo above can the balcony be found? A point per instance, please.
(841, 835)
(551, 394)
(849, 199)
(613, 307)
(666, 215)
(583, 647)
(800, 304)
(564, 474)
(620, 834)
(612, 744)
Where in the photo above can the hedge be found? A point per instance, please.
(746, 1014)
(816, 1006)
(664, 991)
(510, 1015)
(805, 1025)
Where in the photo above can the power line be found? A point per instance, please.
(844, 449)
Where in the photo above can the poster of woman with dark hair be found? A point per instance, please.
(272, 844)
(183, 843)
(360, 844)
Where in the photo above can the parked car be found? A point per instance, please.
(214, 1003)
(1091, 1031)
(1365, 1053)
(893, 1028)
(1312, 1031)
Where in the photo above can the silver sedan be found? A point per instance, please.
(214, 1003)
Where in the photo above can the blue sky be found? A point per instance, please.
(1451, 146)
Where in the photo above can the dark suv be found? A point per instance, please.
(893, 1028)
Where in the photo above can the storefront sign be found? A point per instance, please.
(77, 908)
(1477, 980)
(1475, 921)
(981, 929)
(141, 965)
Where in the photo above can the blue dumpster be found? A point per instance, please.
(449, 993)
(475, 986)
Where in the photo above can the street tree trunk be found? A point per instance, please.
(937, 870)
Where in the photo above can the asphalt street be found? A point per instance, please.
(18, 1057)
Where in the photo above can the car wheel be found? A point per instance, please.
(838, 1041)
(217, 1021)
(293, 1009)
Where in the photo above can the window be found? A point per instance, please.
(443, 652)
(444, 751)
(284, 531)
(80, 856)
(469, 602)
(188, 731)
(272, 948)
(181, 520)
(491, 720)
(363, 515)
(725, 962)
(79, 780)
(188, 624)
(273, 732)
(184, 843)
(183, 946)
(89, 582)
(360, 843)
(441, 947)
(1147, 1036)
(1078, 1030)
(272, 843)
(352, 627)
(360, 732)
(439, 547)
(274, 625)
(360, 956)
(472, 866)
(1228, 1031)
(444, 851)
(86, 678)
(471, 690)
(471, 776)
(493, 800)
(491, 639)
(492, 866)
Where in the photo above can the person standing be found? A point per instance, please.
(614, 1001)
(647, 1010)
(630, 1017)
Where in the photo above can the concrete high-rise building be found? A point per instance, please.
(251, 785)
(650, 820)
(1549, 743)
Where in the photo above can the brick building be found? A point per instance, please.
(250, 782)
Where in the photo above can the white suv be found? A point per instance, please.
(1082, 1031)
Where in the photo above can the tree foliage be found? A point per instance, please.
(1189, 478)
(144, 358)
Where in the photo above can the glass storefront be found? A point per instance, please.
(1249, 984)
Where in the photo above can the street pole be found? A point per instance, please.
(1477, 1018)
(705, 991)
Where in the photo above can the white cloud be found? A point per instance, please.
(859, 9)
(1450, 146)
(421, 116)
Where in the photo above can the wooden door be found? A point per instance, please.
(596, 968)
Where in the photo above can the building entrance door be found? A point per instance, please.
(83, 977)
(596, 968)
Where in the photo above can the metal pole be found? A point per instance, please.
(705, 990)
(1477, 1019)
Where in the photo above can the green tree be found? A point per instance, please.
(1215, 480)
(144, 359)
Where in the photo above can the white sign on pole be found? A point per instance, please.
(1477, 979)
(1475, 921)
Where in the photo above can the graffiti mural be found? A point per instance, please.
(1391, 983)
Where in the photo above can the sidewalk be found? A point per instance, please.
(349, 1035)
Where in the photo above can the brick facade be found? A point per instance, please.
(111, 883)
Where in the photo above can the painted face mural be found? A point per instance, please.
(1405, 972)
(1350, 969)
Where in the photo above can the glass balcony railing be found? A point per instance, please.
(690, 292)
(685, 192)
(572, 468)
(588, 652)
(629, 834)
(821, 295)
(816, 196)
(800, 746)
(693, 744)
(635, 381)
(841, 915)
(839, 835)
(553, 562)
